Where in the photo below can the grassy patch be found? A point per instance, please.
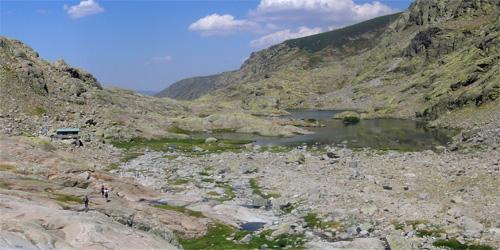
(177, 130)
(67, 198)
(203, 173)
(4, 185)
(216, 238)
(64, 206)
(228, 193)
(209, 180)
(8, 168)
(256, 190)
(182, 145)
(178, 181)
(183, 210)
(130, 156)
(424, 232)
(33, 179)
(455, 244)
(312, 220)
(44, 144)
(415, 223)
(350, 120)
(288, 209)
(111, 167)
(40, 111)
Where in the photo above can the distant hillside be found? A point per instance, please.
(72, 98)
(431, 61)
(146, 92)
(37, 94)
(190, 89)
(358, 36)
(328, 46)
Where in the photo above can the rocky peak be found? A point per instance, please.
(428, 12)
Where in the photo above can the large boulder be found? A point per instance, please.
(296, 158)
(280, 202)
(210, 140)
(282, 229)
(398, 242)
(346, 114)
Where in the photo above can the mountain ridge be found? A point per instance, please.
(262, 63)
(397, 77)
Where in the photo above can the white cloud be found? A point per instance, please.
(83, 9)
(222, 25)
(283, 35)
(159, 59)
(318, 12)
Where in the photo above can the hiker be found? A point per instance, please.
(106, 194)
(102, 191)
(86, 201)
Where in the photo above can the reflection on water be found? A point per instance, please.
(375, 133)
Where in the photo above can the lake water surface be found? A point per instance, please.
(374, 133)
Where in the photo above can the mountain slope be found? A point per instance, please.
(435, 58)
(302, 53)
(38, 94)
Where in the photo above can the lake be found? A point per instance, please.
(373, 133)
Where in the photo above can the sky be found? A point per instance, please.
(148, 45)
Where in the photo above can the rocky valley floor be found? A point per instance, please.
(315, 198)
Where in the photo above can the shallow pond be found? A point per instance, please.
(374, 133)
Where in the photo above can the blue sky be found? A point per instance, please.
(148, 45)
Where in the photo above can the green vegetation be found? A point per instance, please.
(427, 233)
(64, 206)
(203, 173)
(8, 168)
(4, 185)
(350, 120)
(183, 210)
(256, 190)
(178, 181)
(312, 220)
(228, 192)
(210, 180)
(136, 146)
(111, 167)
(216, 238)
(420, 232)
(177, 130)
(341, 37)
(288, 209)
(67, 198)
(455, 244)
(40, 111)
(130, 156)
(33, 179)
(43, 143)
